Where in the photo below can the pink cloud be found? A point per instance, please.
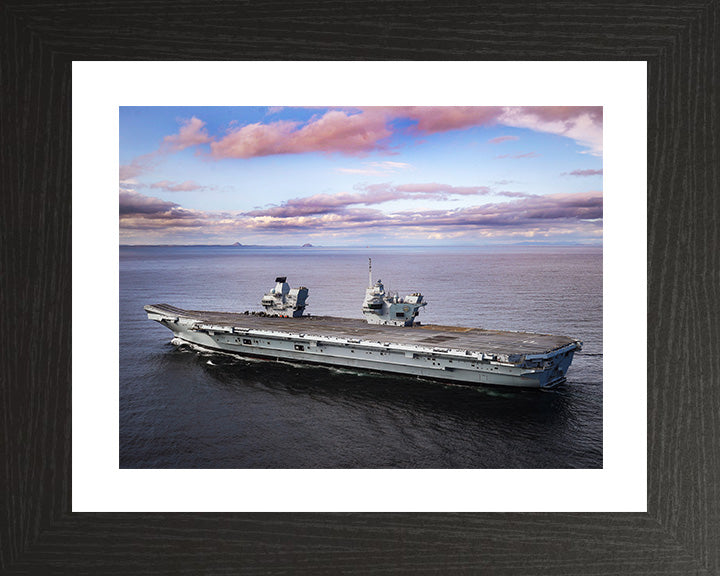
(516, 156)
(191, 133)
(500, 139)
(132, 202)
(443, 190)
(369, 195)
(529, 210)
(588, 172)
(335, 131)
(580, 123)
(583, 124)
(536, 212)
(555, 214)
(583, 205)
(433, 119)
(254, 140)
(168, 186)
(138, 166)
(360, 131)
(563, 113)
(140, 212)
(515, 194)
(380, 167)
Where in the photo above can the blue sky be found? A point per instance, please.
(349, 176)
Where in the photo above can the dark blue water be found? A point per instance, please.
(182, 409)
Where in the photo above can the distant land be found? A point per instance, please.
(235, 245)
(308, 245)
(374, 246)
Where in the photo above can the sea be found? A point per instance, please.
(181, 408)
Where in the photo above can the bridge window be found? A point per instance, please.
(299, 347)
(246, 341)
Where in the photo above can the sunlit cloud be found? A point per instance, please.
(509, 194)
(191, 133)
(501, 139)
(383, 143)
(579, 213)
(187, 186)
(361, 131)
(367, 195)
(434, 119)
(357, 131)
(138, 166)
(140, 212)
(132, 202)
(334, 131)
(583, 124)
(375, 168)
(583, 173)
(516, 156)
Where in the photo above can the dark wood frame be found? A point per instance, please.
(680, 533)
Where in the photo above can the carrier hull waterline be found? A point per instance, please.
(447, 353)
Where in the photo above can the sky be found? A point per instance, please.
(353, 176)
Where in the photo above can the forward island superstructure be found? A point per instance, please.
(389, 340)
(282, 301)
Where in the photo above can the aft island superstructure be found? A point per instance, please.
(390, 340)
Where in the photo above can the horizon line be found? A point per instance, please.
(238, 245)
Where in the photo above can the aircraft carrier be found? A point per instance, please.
(388, 340)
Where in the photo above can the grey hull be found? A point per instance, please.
(463, 355)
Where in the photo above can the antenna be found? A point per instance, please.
(370, 272)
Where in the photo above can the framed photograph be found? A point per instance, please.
(500, 207)
(416, 265)
(649, 506)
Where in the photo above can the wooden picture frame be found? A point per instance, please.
(680, 533)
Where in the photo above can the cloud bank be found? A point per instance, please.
(344, 214)
(368, 195)
(335, 131)
(355, 133)
(187, 186)
(363, 130)
(583, 173)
